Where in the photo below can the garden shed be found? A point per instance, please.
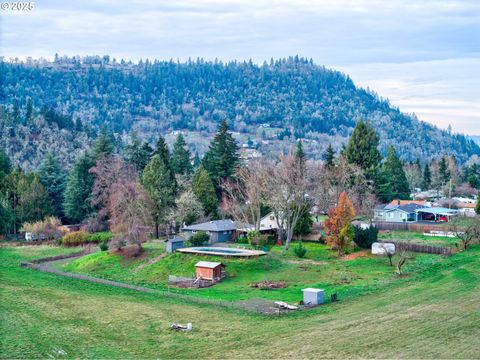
(174, 243)
(208, 270)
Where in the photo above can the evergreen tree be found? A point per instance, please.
(76, 204)
(392, 182)
(159, 182)
(204, 190)
(16, 111)
(53, 178)
(196, 161)
(477, 208)
(362, 148)
(181, 157)
(443, 170)
(427, 177)
(299, 153)
(78, 125)
(28, 111)
(136, 153)
(103, 145)
(6, 215)
(5, 164)
(161, 149)
(329, 156)
(222, 157)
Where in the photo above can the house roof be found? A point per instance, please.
(216, 225)
(406, 202)
(464, 205)
(208, 264)
(410, 208)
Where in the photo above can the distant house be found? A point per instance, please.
(399, 210)
(218, 230)
(466, 209)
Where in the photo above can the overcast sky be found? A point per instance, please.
(423, 55)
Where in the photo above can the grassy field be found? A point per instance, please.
(430, 315)
(418, 238)
(321, 268)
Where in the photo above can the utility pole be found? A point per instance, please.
(450, 194)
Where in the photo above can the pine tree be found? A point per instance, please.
(362, 148)
(103, 145)
(53, 178)
(136, 153)
(28, 111)
(159, 182)
(76, 204)
(161, 149)
(16, 111)
(5, 164)
(222, 157)
(299, 153)
(443, 171)
(391, 180)
(181, 157)
(203, 188)
(329, 156)
(196, 161)
(427, 178)
(477, 208)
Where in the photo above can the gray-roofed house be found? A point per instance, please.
(218, 230)
(398, 213)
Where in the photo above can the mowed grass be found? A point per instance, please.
(434, 314)
(418, 238)
(320, 268)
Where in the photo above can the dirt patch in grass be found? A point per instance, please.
(356, 255)
(129, 252)
(307, 262)
(152, 261)
(269, 285)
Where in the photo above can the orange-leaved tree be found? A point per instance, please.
(338, 226)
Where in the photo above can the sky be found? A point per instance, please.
(423, 55)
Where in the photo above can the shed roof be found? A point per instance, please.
(208, 264)
(217, 225)
(176, 239)
(312, 290)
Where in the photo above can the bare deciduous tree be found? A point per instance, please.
(288, 189)
(467, 235)
(245, 194)
(130, 210)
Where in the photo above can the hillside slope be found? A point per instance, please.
(293, 94)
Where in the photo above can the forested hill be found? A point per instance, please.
(293, 95)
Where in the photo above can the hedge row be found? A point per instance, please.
(77, 238)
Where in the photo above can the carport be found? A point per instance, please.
(435, 214)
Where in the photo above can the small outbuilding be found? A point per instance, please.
(208, 270)
(171, 245)
(313, 297)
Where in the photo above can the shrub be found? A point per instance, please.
(99, 237)
(75, 238)
(104, 246)
(364, 238)
(199, 238)
(299, 250)
(49, 228)
(242, 240)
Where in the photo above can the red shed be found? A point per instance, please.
(208, 270)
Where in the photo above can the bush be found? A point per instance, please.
(104, 246)
(199, 238)
(242, 240)
(75, 238)
(49, 228)
(99, 237)
(299, 250)
(364, 238)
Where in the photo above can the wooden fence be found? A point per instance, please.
(421, 248)
(406, 226)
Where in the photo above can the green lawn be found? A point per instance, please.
(417, 238)
(321, 268)
(431, 315)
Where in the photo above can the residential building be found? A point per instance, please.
(218, 230)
